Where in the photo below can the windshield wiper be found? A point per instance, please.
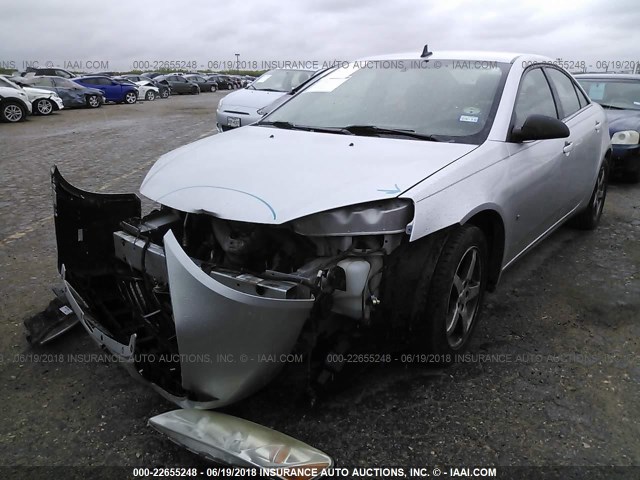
(268, 90)
(612, 107)
(374, 130)
(306, 128)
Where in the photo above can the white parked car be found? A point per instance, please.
(43, 102)
(146, 90)
(242, 107)
(14, 104)
(390, 193)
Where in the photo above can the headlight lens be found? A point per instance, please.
(371, 218)
(625, 137)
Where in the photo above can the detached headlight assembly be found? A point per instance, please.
(625, 137)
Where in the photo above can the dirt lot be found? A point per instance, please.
(553, 379)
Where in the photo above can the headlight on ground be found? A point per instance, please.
(625, 137)
(234, 441)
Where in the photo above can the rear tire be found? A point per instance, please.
(12, 112)
(448, 304)
(589, 218)
(165, 93)
(93, 101)
(213, 89)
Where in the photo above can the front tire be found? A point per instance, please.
(195, 91)
(151, 96)
(12, 112)
(43, 106)
(165, 93)
(130, 98)
(449, 303)
(589, 218)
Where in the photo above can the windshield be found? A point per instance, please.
(281, 80)
(613, 93)
(442, 100)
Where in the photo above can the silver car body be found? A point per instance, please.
(329, 189)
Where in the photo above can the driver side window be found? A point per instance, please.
(534, 97)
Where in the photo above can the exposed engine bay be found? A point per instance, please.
(182, 289)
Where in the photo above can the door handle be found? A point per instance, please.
(598, 124)
(568, 147)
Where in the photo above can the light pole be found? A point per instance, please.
(237, 62)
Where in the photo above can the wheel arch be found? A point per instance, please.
(492, 226)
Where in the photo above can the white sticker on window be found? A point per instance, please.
(66, 310)
(596, 91)
(468, 118)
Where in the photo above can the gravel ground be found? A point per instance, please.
(552, 378)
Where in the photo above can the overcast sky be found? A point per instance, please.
(213, 30)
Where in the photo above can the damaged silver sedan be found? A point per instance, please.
(389, 193)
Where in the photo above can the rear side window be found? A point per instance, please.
(534, 98)
(43, 82)
(568, 97)
(584, 101)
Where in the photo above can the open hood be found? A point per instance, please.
(268, 175)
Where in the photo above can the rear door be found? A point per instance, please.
(96, 82)
(582, 148)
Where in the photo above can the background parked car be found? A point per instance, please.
(55, 72)
(163, 86)
(224, 83)
(204, 84)
(147, 91)
(43, 102)
(113, 90)
(72, 94)
(14, 104)
(179, 84)
(246, 106)
(619, 95)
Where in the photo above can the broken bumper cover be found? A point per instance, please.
(223, 334)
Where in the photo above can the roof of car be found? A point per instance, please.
(504, 57)
(613, 76)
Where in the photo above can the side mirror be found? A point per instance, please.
(540, 127)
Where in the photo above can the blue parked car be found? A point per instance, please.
(619, 95)
(114, 91)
